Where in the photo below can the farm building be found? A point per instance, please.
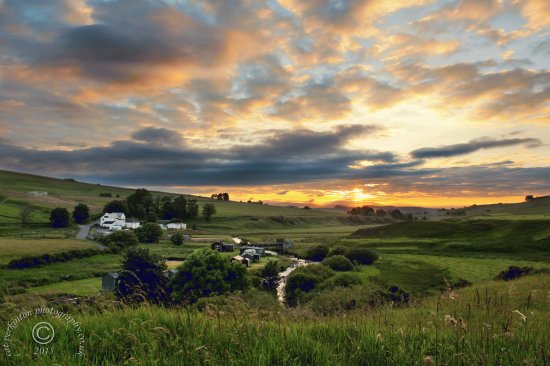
(37, 193)
(251, 255)
(176, 225)
(109, 281)
(241, 260)
(256, 250)
(132, 225)
(222, 247)
(113, 221)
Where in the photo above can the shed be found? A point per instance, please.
(109, 281)
(241, 260)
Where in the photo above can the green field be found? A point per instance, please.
(333, 325)
(11, 248)
(85, 287)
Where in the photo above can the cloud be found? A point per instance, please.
(162, 136)
(470, 147)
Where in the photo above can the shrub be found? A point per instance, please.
(361, 255)
(303, 280)
(207, 273)
(142, 278)
(121, 239)
(338, 251)
(269, 276)
(340, 280)
(59, 217)
(338, 263)
(41, 260)
(81, 213)
(149, 233)
(317, 253)
(514, 272)
(177, 239)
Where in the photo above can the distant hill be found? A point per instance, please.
(539, 205)
(19, 188)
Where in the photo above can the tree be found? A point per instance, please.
(380, 213)
(362, 211)
(269, 277)
(81, 213)
(177, 238)
(121, 239)
(338, 263)
(149, 233)
(142, 278)
(151, 217)
(180, 208)
(192, 209)
(24, 216)
(208, 210)
(361, 255)
(225, 196)
(317, 253)
(396, 214)
(59, 217)
(116, 206)
(529, 197)
(167, 211)
(140, 203)
(206, 273)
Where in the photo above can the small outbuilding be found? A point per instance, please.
(257, 250)
(176, 226)
(222, 247)
(240, 260)
(109, 281)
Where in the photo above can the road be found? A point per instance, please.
(83, 231)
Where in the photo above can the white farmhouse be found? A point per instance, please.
(176, 225)
(113, 221)
(132, 225)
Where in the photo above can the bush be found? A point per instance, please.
(81, 213)
(121, 239)
(41, 260)
(142, 278)
(207, 273)
(317, 253)
(361, 255)
(59, 217)
(340, 280)
(177, 239)
(338, 263)
(303, 280)
(514, 272)
(338, 251)
(149, 233)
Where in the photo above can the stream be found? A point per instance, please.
(284, 275)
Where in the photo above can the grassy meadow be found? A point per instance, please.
(490, 322)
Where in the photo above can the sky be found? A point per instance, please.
(317, 102)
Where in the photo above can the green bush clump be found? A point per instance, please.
(338, 251)
(338, 263)
(41, 260)
(303, 280)
(121, 239)
(317, 253)
(361, 255)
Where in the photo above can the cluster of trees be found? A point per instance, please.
(220, 196)
(204, 273)
(143, 206)
(369, 211)
(355, 255)
(60, 216)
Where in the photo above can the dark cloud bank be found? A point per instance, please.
(161, 157)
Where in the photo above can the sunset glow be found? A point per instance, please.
(316, 102)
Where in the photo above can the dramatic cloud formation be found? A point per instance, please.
(315, 101)
(470, 147)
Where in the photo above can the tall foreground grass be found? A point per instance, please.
(501, 323)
